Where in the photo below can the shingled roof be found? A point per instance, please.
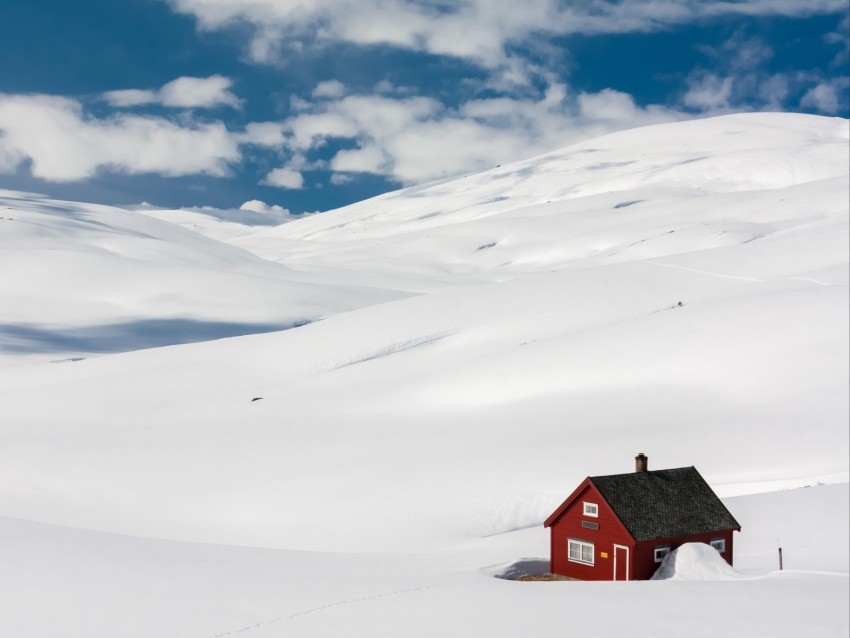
(664, 503)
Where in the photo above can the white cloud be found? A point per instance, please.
(454, 146)
(130, 97)
(476, 30)
(823, 97)
(773, 91)
(370, 159)
(841, 38)
(285, 177)
(340, 179)
(739, 80)
(739, 53)
(64, 144)
(311, 129)
(331, 88)
(608, 105)
(10, 155)
(411, 140)
(394, 133)
(263, 134)
(259, 206)
(189, 92)
(709, 92)
(183, 92)
(257, 212)
(385, 86)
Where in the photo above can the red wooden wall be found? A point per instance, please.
(610, 532)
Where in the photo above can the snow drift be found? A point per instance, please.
(694, 561)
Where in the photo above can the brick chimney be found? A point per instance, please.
(641, 463)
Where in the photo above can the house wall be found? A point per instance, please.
(610, 532)
(643, 559)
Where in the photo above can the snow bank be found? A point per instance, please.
(695, 561)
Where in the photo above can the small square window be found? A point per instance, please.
(591, 509)
(719, 544)
(661, 552)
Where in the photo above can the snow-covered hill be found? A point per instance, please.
(654, 191)
(486, 343)
(80, 279)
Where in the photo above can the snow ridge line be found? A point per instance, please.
(311, 610)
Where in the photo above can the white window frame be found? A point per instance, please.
(590, 509)
(719, 544)
(581, 552)
(660, 552)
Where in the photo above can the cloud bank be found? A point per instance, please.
(477, 30)
(516, 107)
(415, 139)
(65, 144)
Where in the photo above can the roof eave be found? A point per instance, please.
(563, 506)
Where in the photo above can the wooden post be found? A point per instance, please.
(780, 559)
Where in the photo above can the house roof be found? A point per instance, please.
(664, 503)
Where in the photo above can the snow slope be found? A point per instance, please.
(80, 279)
(77, 584)
(655, 191)
(487, 342)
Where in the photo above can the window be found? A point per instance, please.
(719, 544)
(661, 552)
(591, 509)
(581, 552)
(589, 525)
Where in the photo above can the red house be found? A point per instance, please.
(620, 527)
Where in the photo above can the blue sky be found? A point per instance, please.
(313, 104)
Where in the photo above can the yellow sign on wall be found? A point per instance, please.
(603, 554)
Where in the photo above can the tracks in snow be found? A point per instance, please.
(313, 610)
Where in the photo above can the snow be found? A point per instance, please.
(439, 367)
(809, 524)
(78, 583)
(694, 561)
(96, 279)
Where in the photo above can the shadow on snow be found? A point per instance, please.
(124, 337)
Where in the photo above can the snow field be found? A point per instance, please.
(77, 583)
(476, 348)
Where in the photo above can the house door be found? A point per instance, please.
(621, 562)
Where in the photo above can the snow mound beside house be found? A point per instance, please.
(695, 561)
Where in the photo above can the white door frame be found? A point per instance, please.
(625, 547)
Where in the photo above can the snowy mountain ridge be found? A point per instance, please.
(743, 152)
